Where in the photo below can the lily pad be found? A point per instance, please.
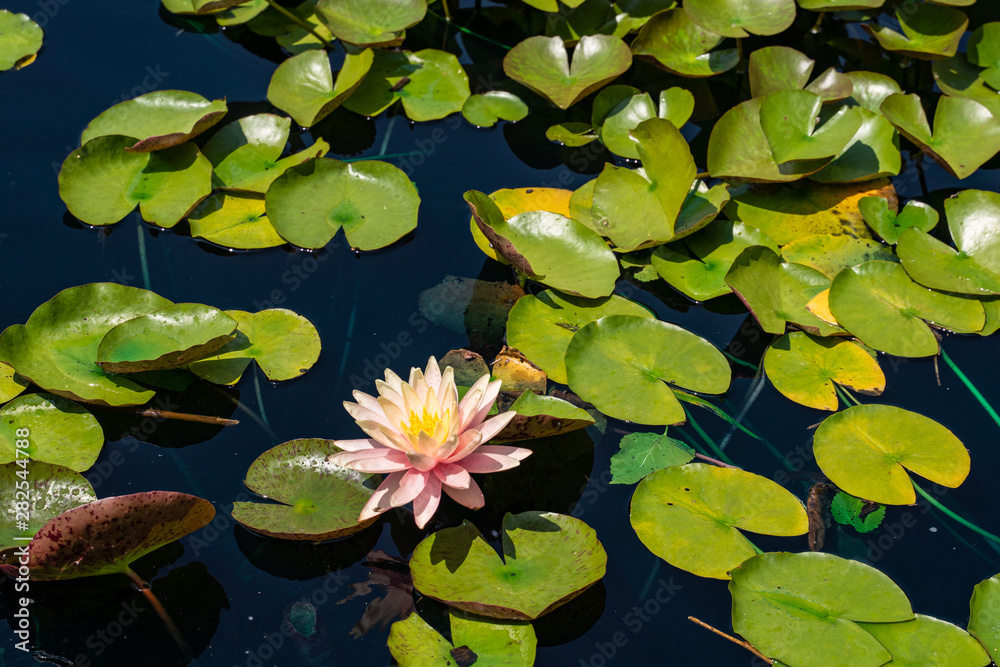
(315, 499)
(929, 31)
(168, 338)
(614, 128)
(680, 46)
(11, 384)
(303, 85)
(551, 248)
(57, 347)
(571, 134)
(622, 364)
(432, 84)
(517, 373)
(965, 135)
(831, 253)
(983, 621)
(640, 454)
(541, 417)
(373, 201)
(487, 108)
(50, 489)
(542, 325)
(106, 536)
(61, 432)
(246, 154)
(101, 182)
(890, 226)
(284, 344)
(234, 220)
(513, 201)
(781, 68)
(742, 18)
(548, 559)
(373, 22)
(157, 120)
(877, 302)
(541, 64)
(928, 642)
(803, 608)
(959, 78)
(789, 118)
(872, 153)
(804, 368)
(689, 516)
(413, 643)
(20, 40)
(847, 510)
(839, 5)
(984, 51)
(867, 449)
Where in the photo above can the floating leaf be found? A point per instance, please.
(959, 78)
(741, 18)
(373, 22)
(615, 127)
(929, 31)
(984, 51)
(553, 5)
(839, 5)
(877, 302)
(789, 118)
(373, 201)
(517, 373)
(928, 642)
(803, 608)
(831, 253)
(234, 220)
(487, 108)
(622, 364)
(571, 134)
(303, 85)
(846, 510)
(890, 226)
(548, 559)
(50, 490)
(315, 500)
(542, 417)
(867, 449)
(983, 621)
(11, 384)
(804, 368)
(57, 348)
(20, 40)
(681, 47)
(640, 454)
(689, 516)
(780, 68)
(157, 120)
(541, 64)
(101, 183)
(431, 84)
(61, 432)
(284, 344)
(413, 643)
(521, 200)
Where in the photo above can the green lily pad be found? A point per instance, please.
(101, 182)
(487, 108)
(413, 643)
(572, 134)
(239, 14)
(513, 201)
(872, 153)
(928, 642)
(541, 326)
(284, 344)
(690, 516)
(234, 220)
(57, 348)
(877, 302)
(20, 40)
(246, 154)
(742, 18)
(11, 384)
(303, 85)
(846, 510)
(315, 499)
(373, 22)
(295, 38)
(804, 368)
(869, 89)
(622, 364)
(171, 337)
(106, 536)
(432, 84)
(50, 489)
(548, 559)
(781, 68)
(803, 608)
(929, 31)
(615, 127)
(959, 78)
(60, 432)
(965, 135)
(541, 64)
(680, 46)
(777, 292)
(640, 454)
(157, 120)
(839, 5)
(548, 247)
(890, 226)
(373, 201)
(831, 253)
(789, 118)
(983, 621)
(867, 449)
(984, 51)
(542, 417)
(701, 275)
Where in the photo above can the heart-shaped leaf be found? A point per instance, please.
(928, 642)
(929, 31)
(789, 118)
(622, 364)
(689, 516)
(742, 18)
(983, 620)
(867, 449)
(615, 128)
(541, 417)
(984, 51)
(680, 46)
(521, 200)
(487, 108)
(432, 84)
(51, 490)
(157, 120)
(804, 368)
(541, 64)
(303, 85)
(781, 68)
(413, 643)
(372, 22)
(20, 40)
(548, 559)
(234, 220)
(60, 432)
(958, 77)
(315, 499)
(890, 226)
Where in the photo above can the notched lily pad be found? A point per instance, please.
(303, 85)
(742, 18)
(234, 220)
(929, 31)
(157, 120)
(51, 490)
(414, 643)
(60, 432)
(983, 621)
(890, 226)
(373, 22)
(680, 46)
(928, 642)
(487, 108)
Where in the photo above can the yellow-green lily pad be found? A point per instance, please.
(60, 431)
(234, 220)
(157, 120)
(928, 642)
(414, 643)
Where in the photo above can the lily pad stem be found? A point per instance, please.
(703, 174)
(819, 22)
(740, 63)
(161, 612)
(846, 395)
(447, 11)
(747, 645)
(467, 31)
(179, 416)
(968, 524)
(704, 436)
(302, 24)
(971, 387)
(717, 462)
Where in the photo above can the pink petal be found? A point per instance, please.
(410, 486)
(379, 503)
(469, 405)
(361, 413)
(366, 401)
(427, 445)
(467, 444)
(421, 462)
(485, 403)
(425, 504)
(494, 458)
(356, 445)
(392, 380)
(398, 440)
(378, 433)
(371, 460)
(433, 374)
(390, 394)
(494, 425)
(471, 497)
(453, 475)
(448, 447)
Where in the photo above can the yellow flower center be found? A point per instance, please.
(426, 422)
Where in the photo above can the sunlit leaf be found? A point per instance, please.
(414, 643)
(50, 489)
(157, 120)
(20, 40)
(60, 432)
(681, 47)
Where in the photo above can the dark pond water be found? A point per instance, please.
(228, 589)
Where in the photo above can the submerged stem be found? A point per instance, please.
(965, 522)
(161, 611)
(971, 387)
(179, 416)
(747, 645)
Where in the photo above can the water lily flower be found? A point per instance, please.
(426, 440)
